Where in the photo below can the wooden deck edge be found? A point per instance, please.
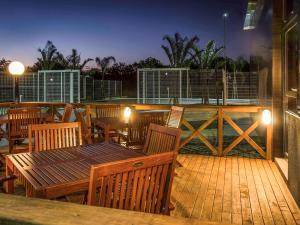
(22, 210)
(282, 167)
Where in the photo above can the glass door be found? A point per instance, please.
(291, 70)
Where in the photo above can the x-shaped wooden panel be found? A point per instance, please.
(197, 133)
(243, 135)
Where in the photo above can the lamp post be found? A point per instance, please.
(16, 69)
(225, 16)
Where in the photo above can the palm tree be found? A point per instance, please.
(206, 58)
(4, 64)
(74, 60)
(103, 65)
(179, 49)
(49, 57)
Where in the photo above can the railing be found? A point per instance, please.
(223, 117)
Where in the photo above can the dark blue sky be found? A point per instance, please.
(130, 30)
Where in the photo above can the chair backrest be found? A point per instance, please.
(67, 113)
(140, 184)
(138, 126)
(161, 139)
(19, 120)
(54, 135)
(108, 110)
(84, 117)
(175, 117)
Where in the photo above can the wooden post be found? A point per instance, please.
(220, 131)
(277, 79)
(269, 142)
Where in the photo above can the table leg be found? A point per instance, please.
(9, 185)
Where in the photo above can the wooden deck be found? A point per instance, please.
(229, 190)
(232, 190)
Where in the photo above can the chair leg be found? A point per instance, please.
(10, 146)
(2, 160)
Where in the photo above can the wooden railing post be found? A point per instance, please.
(220, 131)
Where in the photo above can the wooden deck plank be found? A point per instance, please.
(211, 190)
(287, 215)
(255, 207)
(244, 192)
(227, 202)
(273, 204)
(263, 201)
(240, 191)
(218, 201)
(292, 206)
(197, 210)
(186, 199)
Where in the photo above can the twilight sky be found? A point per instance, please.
(130, 30)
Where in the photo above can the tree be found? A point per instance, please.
(4, 64)
(207, 58)
(74, 60)
(121, 69)
(149, 62)
(103, 65)
(49, 57)
(241, 65)
(179, 49)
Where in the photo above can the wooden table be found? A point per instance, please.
(55, 173)
(108, 124)
(113, 123)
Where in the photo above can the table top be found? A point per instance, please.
(64, 171)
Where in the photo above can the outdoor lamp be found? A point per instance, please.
(266, 117)
(127, 113)
(16, 69)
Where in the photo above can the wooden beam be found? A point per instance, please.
(220, 131)
(243, 135)
(277, 78)
(198, 133)
(21, 210)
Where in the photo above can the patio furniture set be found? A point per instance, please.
(115, 162)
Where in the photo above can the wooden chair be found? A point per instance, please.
(67, 113)
(108, 110)
(104, 111)
(175, 117)
(84, 117)
(141, 184)
(19, 120)
(134, 136)
(54, 136)
(162, 139)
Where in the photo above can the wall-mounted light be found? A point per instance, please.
(127, 114)
(266, 117)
